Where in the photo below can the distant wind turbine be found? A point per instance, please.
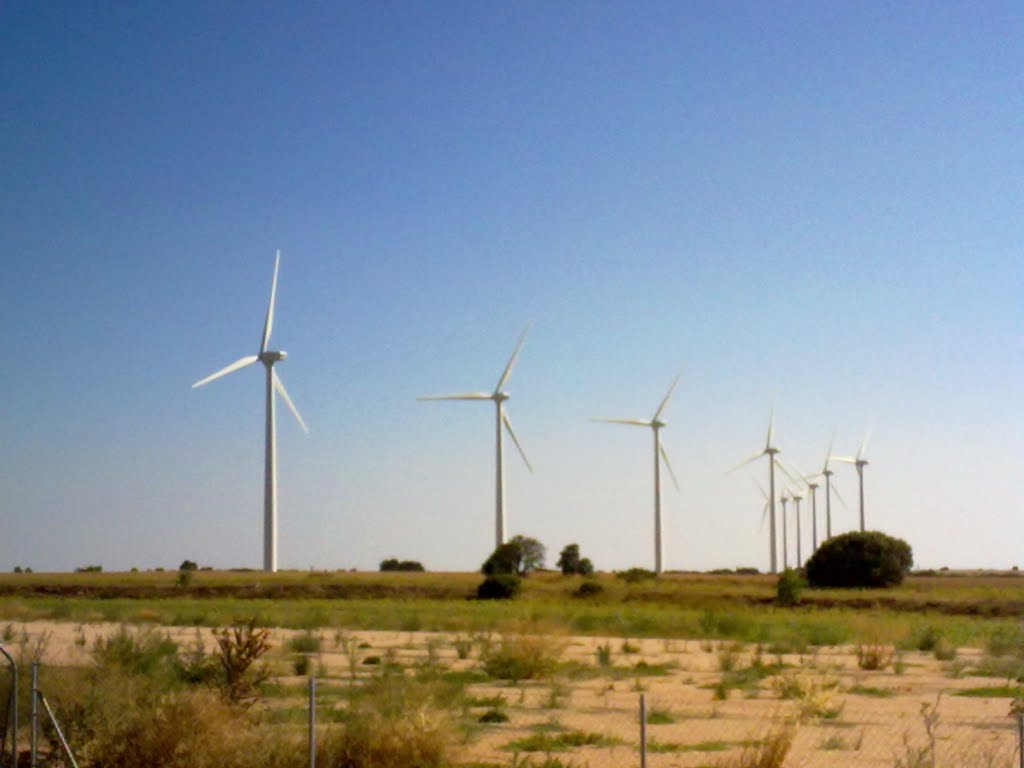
(770, 451)
(859, 461)
(655, 423)
(498, 397)
(785, 534)
(268, 358)
(797, 498)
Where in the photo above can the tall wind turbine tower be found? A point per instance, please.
(273, 384)
(812, 488)
(797, 498)
(859, 461)
(655, 423)
(770, 451)
(785, 534)
(501, 424)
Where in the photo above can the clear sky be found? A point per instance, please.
(816, 206)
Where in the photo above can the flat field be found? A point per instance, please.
(924, 672)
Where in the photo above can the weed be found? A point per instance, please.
(301, 665)
(628, 647)
(874, 656)
(371, 660)
(463, 646)
(493, 715)
(660, 716)
(307, 642)
(559, 742)
(604, 655)
(238, 649)
(769, 753)
(523, 657)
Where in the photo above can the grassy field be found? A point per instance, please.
(968, 607)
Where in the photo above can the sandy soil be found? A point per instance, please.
(847, 716)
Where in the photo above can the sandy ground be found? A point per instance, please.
(847, 716)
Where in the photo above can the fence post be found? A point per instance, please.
(643, 730)
(35, 714)
(13, 709)
(60, 734)
(312, 722)
(1020, 737)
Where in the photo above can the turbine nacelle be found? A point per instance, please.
(269, 357)
(500, 397)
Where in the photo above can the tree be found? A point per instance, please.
(188, 565)
(394, 564)
(570, 562)
(519, 555)
(860, 559)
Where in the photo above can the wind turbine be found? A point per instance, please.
(785, 536)
(770, 451)
(859, 461)
(268, 358)
(827, 473)
(498, 397)
(812, 487)
(655, 423)
(797, 498)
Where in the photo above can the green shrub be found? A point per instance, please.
(633, 575)
(394, 564)
(501, 586)
(787, 591)
(588, 589)
(307, 642)
(860, 559)
(523, 657)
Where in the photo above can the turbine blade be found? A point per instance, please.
(288, 401)
(512, 360)
(744, 463)
(760, 487)
(462, 396)
(828, 453)
(864, 446)
(837, 494)
(668, 396)
(802, 477)
(634, 422)
(844, 459)
(771, 428)
(512, 434)
(785, 470)
(268, 325)
(249, 360)
(668, 464)
(764, 516)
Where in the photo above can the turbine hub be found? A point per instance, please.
(269, 357)
(657, 424)
(499, 397)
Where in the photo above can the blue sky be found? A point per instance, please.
(812, 206)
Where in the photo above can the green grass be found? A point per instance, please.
(994, 692)
(867, 690)
(955, 608)
(559, 742)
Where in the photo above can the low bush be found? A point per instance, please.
(394, 564)
(633, 575)
(860, 559)
(502, 586)
(788, 588)
(588, 589)
(523, 657)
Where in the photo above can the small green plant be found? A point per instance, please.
(604, 655)
(493, 715)
(628, 647)
(944, 650)
(770, 752)
(789, 588)
(463, 645)
(301, 665)
(307, 642)
(660, 716)
(874, 656)
(523, 657)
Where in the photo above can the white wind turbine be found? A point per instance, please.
(498, 397)
(770, 451)
(268, 358)
(785, 533)
(797, 497)
(655, 423)
(859, 461)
